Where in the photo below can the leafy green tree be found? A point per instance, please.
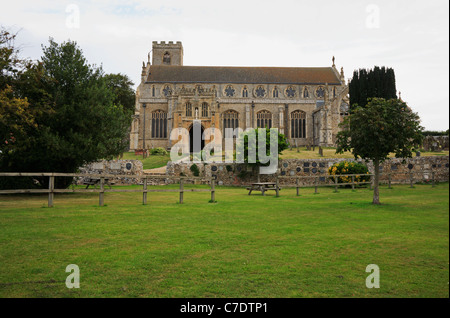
(77, 116)
(122, 87)
(245, 147)
(380, 128)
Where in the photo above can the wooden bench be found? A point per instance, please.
(263, 187)
(95, 181)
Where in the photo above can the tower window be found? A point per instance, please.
(166, 58)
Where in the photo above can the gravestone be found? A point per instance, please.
(116, 166)
(97, 166)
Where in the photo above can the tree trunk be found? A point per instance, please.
(376, 192)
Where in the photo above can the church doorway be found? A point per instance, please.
(195, 137)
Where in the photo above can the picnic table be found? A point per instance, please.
(95, 181)
(263, 187)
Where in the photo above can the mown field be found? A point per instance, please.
(315, 245)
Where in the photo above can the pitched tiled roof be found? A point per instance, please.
(242, 75)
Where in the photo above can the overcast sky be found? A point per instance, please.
(410, 36)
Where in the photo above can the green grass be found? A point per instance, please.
(151, 162)
(242, 246)
(329, 152)
(156, 161)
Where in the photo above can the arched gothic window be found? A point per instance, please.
(298, 124)
(264, 119)
(205, 110)
(166, 58)
(275, 92)
(188, 109)
(230, 120)
(320, 92)
(245, 92)
(159, 124)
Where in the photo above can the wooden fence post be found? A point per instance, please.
(51, 187)
(432, 180)
(181, 190)
(213, 190)
(353, 183)
(411, 181)
(371, 182)
(144, 195)
(335, 184)
(297, 183)
(315, 185)
(102, 192)
(390, 180)
(277, 190)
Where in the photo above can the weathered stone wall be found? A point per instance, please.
(241, 175)
(115, 167)
(436, 143)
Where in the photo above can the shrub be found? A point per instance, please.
(159, 151)
(195, 170)
(346, 167)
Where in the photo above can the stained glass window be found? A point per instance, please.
(260, 91)
(298, 124)
(320, 92)
(290, 91)
(205, 110)
(275, 92)
(167, 91)
(188, 109)
(229, 91)
(264, 119)
(230, 120)
(159, 124)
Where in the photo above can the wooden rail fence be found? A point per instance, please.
(353, 183)
(101, 191)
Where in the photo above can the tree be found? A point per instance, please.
(76, 118)
(376, 82)
(122, 87)
(380, 128)
(245, 143)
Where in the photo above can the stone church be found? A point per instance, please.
(305, 103)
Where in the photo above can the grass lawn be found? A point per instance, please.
(242, 246)
(151, 162)
(156, 161)
(329, 152)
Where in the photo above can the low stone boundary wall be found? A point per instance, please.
(115, 167)
(231, 174)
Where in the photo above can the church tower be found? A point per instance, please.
(167, 53)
